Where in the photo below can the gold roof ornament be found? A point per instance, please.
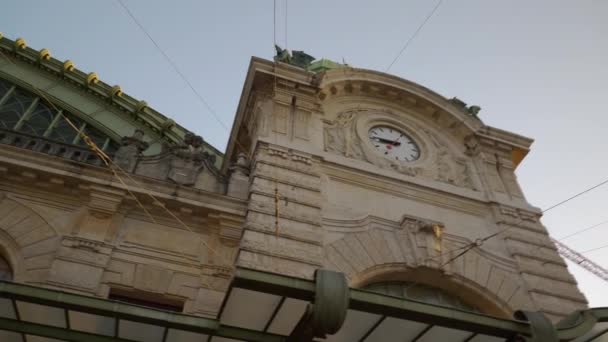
(44, 55)
(92, 78)
(68, 66)
(20, 44)
(141, 105)
(116, 91)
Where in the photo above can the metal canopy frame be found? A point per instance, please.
(113, 309)
(581, 326)
(324, 296)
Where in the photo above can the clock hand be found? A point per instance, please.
(386, 141)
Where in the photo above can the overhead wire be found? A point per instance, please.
(480, 241)
(173, 65)
(594, 249)
(286, 12)
(413, 36)
(274, 91)
(582, 230)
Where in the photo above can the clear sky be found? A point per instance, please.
(536, 67)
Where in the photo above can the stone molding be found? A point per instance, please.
(51, 169)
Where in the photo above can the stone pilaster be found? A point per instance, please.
(550, 284)
(293, 246)
(495, 167)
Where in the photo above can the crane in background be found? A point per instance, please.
(580, 260)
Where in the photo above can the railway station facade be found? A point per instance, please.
(347, 184)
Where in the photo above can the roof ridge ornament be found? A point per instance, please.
(68, 66)
(92, 79)
(20, 44)
(472, 110)
(44, 55)
(115, 91)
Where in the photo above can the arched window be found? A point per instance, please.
(5, 270)
(421, 293)
(26, 120)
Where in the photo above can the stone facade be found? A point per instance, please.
(342, 205)
(299, 188)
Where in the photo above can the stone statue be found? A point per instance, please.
(188, 159)
(471, 110)
(238, 184)
(282, 55)
(130, 150)
(340, 136)
(299, 58)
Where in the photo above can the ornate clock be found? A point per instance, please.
(394, 144)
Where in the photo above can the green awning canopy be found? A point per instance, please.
(261, 306)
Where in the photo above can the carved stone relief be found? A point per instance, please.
(342, 137)
(187, 160)
(182, 163)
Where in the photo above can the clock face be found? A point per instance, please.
(394, 144)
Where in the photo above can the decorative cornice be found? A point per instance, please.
(54, 168)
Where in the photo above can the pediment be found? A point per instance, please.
(352, 85)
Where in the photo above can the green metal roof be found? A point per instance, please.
(324, 65)
(123, 110)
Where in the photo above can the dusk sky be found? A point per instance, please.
(538, 68)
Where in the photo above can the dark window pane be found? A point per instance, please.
(112, 148)
(63, 131)
(14, 108)
(4, 87)
(145, 299)
(98, 138)
(39, 120)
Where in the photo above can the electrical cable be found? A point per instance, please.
(179, 73)
(407, 43)
(582, 230)
(482, 240)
